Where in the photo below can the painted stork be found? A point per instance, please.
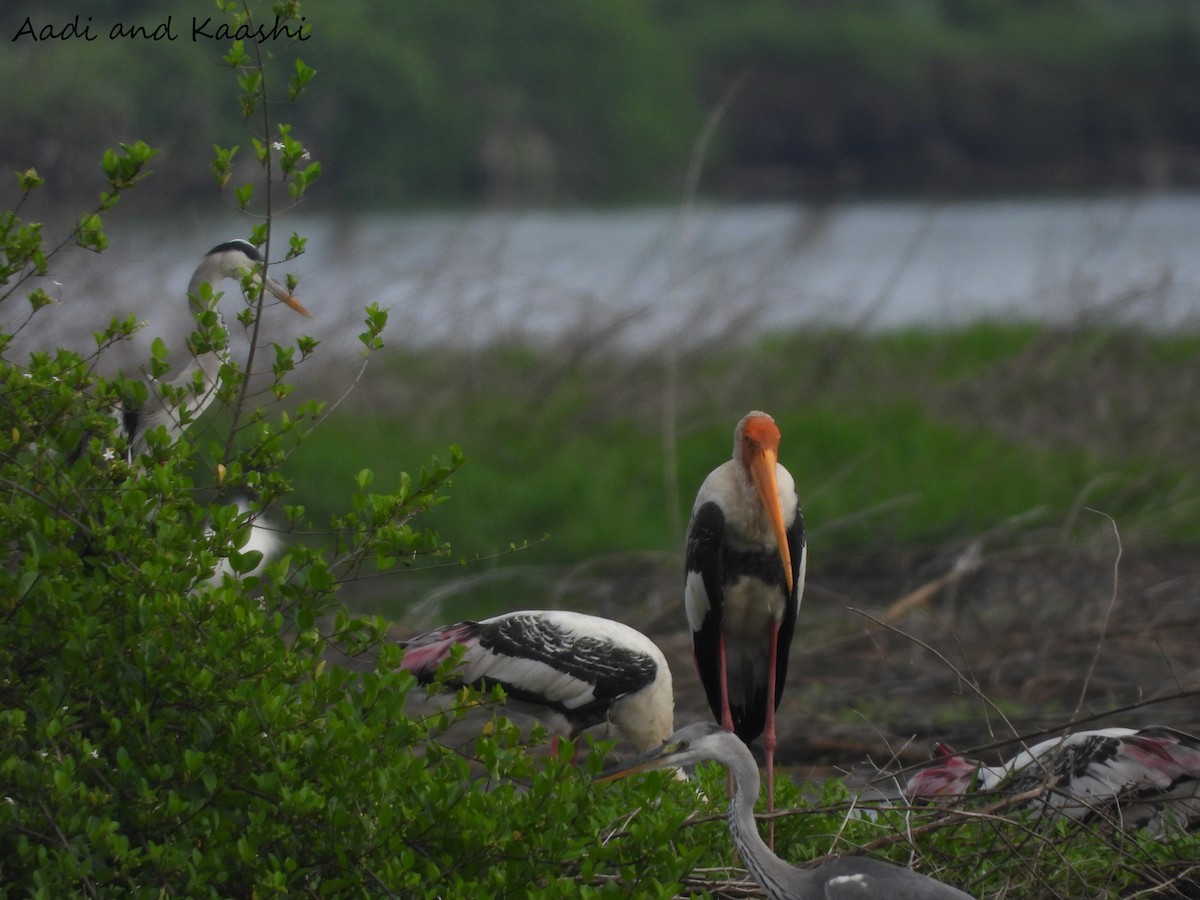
(846, 877)
(232, 259)
(568, 669)
(1145, 778)
(746, 558)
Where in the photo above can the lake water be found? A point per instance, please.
(640, 276)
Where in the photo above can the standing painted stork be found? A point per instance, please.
(568, 669)
(746, 558)
(232, 259)
(1145, 778)
(846, 877)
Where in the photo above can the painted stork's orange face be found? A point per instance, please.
(760, 453)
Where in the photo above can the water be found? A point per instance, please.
(640, 277)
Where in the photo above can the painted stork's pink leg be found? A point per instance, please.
(556, 747)
(726, 712)
(769, 731)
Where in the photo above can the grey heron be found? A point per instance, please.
(233, 259)
(570, 670)
(844, 878)
(746, 558)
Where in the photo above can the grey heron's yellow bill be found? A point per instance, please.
(659, 758)
(282, 293)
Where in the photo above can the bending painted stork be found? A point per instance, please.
(1146, 778)
(570, 670)
(232, 259)
(746, 558)
(847, 877)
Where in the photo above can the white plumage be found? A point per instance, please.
(260, 537)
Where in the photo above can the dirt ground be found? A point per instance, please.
(972, 645)
(966, 645)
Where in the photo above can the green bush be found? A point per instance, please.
(165, 730)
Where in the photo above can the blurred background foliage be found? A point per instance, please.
(443, 102)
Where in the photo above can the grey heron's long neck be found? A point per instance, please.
(779, 879)
(209, 362)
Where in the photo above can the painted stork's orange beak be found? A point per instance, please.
(762, 474)
(760, 455)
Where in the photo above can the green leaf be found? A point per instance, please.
(29, 180)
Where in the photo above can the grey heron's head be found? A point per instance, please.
(691, 744)
(236, 259)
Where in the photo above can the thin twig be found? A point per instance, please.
(670, 417)
(953, 668)
(1112, 603)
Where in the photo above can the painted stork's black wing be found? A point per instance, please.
(705, 555)
(783, 645)
(1068, 761)
(718, 564)
(603, 669)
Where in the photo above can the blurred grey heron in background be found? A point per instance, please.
(844, 878)
(233, 259)
(200, 378)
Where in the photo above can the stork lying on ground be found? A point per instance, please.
(1144, 778)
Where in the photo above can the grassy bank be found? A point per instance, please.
(899, 441)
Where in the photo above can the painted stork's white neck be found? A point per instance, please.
(648, 717)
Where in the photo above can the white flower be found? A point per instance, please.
(109, 454)
(278, 145)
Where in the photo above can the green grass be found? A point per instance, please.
(900, 440)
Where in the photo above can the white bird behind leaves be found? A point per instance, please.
(230, 260)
